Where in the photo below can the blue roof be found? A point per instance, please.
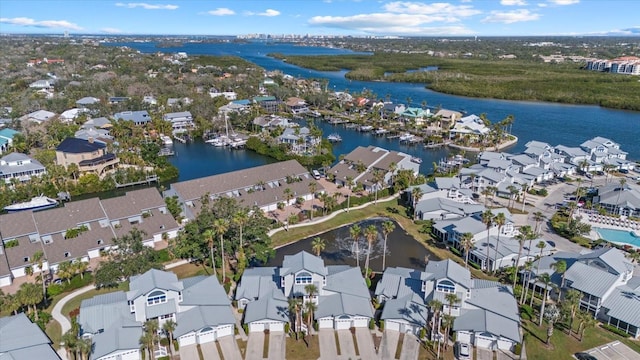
(8, 133)
(242, 102)
(77, 146)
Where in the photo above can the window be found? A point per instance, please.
(446, 286)
(156, 297)
(303, 278)
(26, 259)
(167, 316)
(132, 306)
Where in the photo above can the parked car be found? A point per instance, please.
(464, 351)
(316, 174)
(584, 356)
(623, 171)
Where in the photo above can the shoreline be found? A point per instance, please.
(492, 148)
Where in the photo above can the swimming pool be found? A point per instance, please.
(618, 236)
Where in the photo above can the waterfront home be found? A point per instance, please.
(619, 199)
(342, 297)
(299, 140)
(236, 106)
(447, 118)
(90, 155)
(604, 151)
(114, 100)
(417, 115)
(22, 339)
(362, 164)
(297, 105)
(605, 279)
(180, 121)
(229, 95)
(139, 118)
(87, 101)
(94, 224)
(270, 122)
(486, 311)
(6, 138)
(37, 117)
(471, 126)
(101, 135)
(268, 103)
(262, 186)
(21, 167)
(70, 115)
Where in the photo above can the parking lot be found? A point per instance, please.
(613, 351)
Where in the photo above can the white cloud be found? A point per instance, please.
(513, 2)
(269, 12)
(439, 9)
(110, 30)
(542, 5)
(385, 23)
(564, 2)
(509, 17)
(148, 6)
(51, 24)
(221, 12)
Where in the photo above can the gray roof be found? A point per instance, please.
(102, 311)
(202, 316)
(256, 282)
(406, 308)
(88, 100)
(302, 261)
(118, 337)
(347, 280)
(30, 164)
(497, 299)
(132, 203)
(610, 256)
(399, 282)
(447, 182)
(448, 206)
(203, 290)
(343, 304)
(272, 306)
(157, 310)
(152, 279)
(448, 269)
(624, 304)
(141, 116)
(589, 279)
(480, 320)
(20, 336)
(464, 225)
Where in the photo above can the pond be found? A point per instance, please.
(402, 248)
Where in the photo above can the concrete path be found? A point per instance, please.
(229, 346)
(389, 344)
(366, 347)
(328, 348)
(506, 355)
(189, 352)
(410, 347)
(484, 354)
(277, 344)
(255, 345)
(56, 313)
(347, 347)
(210, 351)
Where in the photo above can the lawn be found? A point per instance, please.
(74, 303)
(562, 345)
(54, 332)
(298, 350)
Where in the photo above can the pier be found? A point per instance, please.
(148, 180)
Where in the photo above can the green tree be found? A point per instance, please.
(387, 228)
(220, 227)
(169, 327)
(30, 295)
(371, 234)
(451, 299)
(487, 220)
(466, 241)
(416, 195)
(355, 232)
(572, 299)
(546, 280)
(552, 314)
(500, 220)
(318, 245)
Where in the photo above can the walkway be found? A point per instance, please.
(65, 324)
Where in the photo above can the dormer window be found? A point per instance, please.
(303, 278)
(446, 286)
(156, 297)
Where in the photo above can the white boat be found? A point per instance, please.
(166, 140)
(406, 137)
(416, 160)
(334, 138)
(366, 128)
(37, 203)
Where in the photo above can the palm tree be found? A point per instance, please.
(70, 341)
(528, 265)
(538, 217)
(623, 181)
(220, 227)
(546, 280)
(288, 194)
(355, 231)
(452, 299)
(541, 245)
(311, 291)
(371, 234)
(521, 237)
(349, 184)
(588, 322)
(525, 188)
(387, 228)
(38, 259)
(560, 267)
(30, 295)
(466, 241)
(499, 220)
(66, 271)
(169, 327)
(241, 218)
(318, 245)
(447, 322)
(436, 309)
(310, 307)
(84, 346)
(552, 315)
(295, 307)
(80, 267)
(416, 195)
(378, 176)
(152, 327)
(572, 299)
(487, 220)
(313, 187)
(146, 343)
(209, 236)
(11, 303)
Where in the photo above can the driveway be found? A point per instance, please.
(366, 348)
(484, 354)
(255, 345)
(389, 344)
(328, 348)
(276, 345)
(189, 352)
(410, 347)
(506, 355)
(210, 351)
(347, 347)
(229, 348)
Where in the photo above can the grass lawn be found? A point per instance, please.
(298, 350)
(75, 302)
(54, 332)
(562, 345)
(189, 269)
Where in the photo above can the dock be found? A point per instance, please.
(148, 180)
(166, 152)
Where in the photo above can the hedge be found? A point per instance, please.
(615, 330)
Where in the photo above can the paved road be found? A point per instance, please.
(410, 347)
(276, 345)
(189, 352)
(328, 348)
(347, 347)
(389, 344)
(210, 351)
(255, 345)
(366, 347)
(484, 354)
(229, 346)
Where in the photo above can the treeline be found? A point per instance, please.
(281, 152)
(500, 79)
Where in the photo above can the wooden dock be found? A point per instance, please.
(149, 179)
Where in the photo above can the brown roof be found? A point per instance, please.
(4, 266)
(237, 180)
(132, 203)
(26, 248)
(69, 216)
(79, 246)
(17, 224)
(157, 223)
(342, 170)
(366, 155)
(385, 162)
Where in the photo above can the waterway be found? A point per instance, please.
(402, 249)
(555, 124)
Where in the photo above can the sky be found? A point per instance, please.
(323, 17)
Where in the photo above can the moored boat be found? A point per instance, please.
(37, 203)
(416, 160)
(334, 138)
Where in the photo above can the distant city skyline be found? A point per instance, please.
(324, 17)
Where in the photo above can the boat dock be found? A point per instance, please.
(337, 121)
(149, 179)
(166, 152)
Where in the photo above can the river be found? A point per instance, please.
(555, 124)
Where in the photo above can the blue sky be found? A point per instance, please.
(324, 17)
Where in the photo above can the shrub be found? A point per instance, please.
(423, 333)
(54, 289)
(246, 328)
(381, 325)
(526, 311)
(176, 345)
(455, 251)
(615, 330)
(518, 349)
(287, 328)
(372, 324)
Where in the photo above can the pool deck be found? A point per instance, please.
(610, 223)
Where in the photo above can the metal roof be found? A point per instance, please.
(406, 308)
(202, 316)
(302, 261)
(589, 279)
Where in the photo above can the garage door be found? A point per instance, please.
(505, 344)
(343, 323)
(360, 322)
(256, 327)
(484, 341)
(225, 330)
(206, 335)
(392, 325)
(276, 326)
(187, 340)
(325, 323)
(464, 337)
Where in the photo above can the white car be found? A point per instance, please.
(464, 351)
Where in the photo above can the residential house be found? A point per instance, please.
(6, 138)
(342, 297)
(180, 121)
(619, 199)
(471, 127)
(418, 115)
(268, 103)
(22, 339)
(270, 122)
(177, 102)
(21, 167)
(261, 186)
(447, 118)
(37, 117)
(139, 118)
(149, 99)
(42, 84)
(89, 155)
(604, 151)
(101, 135)
(237, 106)
(70, 115)
(300, 140)
(297, 105)
(486, 311)
(87, 101)
(114, 100)
(229, 95)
